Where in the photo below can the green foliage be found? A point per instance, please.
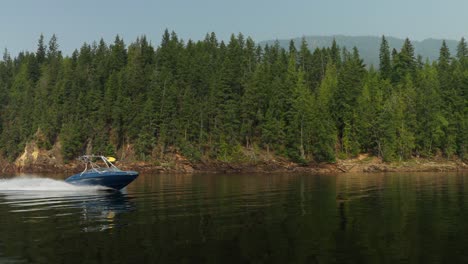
(72, 140)
(190, 151)
(213, 99)
(404, 63)
(324, 133)
(385, 66)
(345, 99)
(230, 153)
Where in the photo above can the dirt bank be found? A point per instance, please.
(362, 164)
(366, 163)
(35, 160)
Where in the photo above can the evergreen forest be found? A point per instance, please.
(211, 99)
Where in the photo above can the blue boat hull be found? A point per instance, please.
(114, 179)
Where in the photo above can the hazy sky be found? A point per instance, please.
(78, 21)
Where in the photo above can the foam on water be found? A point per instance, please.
(32, 183)
(36, 193)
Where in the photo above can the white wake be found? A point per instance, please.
(31, 183)
(30, 191)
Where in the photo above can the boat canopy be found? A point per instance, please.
(98, 163)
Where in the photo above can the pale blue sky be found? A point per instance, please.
(78, 21)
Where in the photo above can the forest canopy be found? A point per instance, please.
(210, 98)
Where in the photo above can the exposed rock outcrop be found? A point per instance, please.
(34, 159)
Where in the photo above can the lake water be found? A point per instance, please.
(277, 218)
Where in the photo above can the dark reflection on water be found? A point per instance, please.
(376, 218)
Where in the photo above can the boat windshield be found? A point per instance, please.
(101, 169)
(99, 164)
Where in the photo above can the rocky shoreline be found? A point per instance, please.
(35, 160)
(178, 164)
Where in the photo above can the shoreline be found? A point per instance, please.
(36, 160)
(360, 164)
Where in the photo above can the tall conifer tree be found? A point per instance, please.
(385, 66)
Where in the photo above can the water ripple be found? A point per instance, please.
(37, 199)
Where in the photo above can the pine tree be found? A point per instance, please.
(385, 66)
(17, 116)
(206, 99)
(445, 73)
(431, 122)
(318, 67)
(454, 100)
(41, 50)
(335, 54)
(462, 50)
(448, 94)
(349, 88)
(118, 54)
(101, 62)
(304, 56)
(388, 122)
(53, 51)
(323, 130)
(292, 47)
(405, 113)
(405, 62)
(301, 117)
(444, 57)
(254, 105)
(368, 104)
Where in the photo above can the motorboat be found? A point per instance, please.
(101, 171)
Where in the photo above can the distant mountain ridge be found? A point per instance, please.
(369, 46)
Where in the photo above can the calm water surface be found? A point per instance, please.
(281, 218)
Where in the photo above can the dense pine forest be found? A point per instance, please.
(212, 99)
